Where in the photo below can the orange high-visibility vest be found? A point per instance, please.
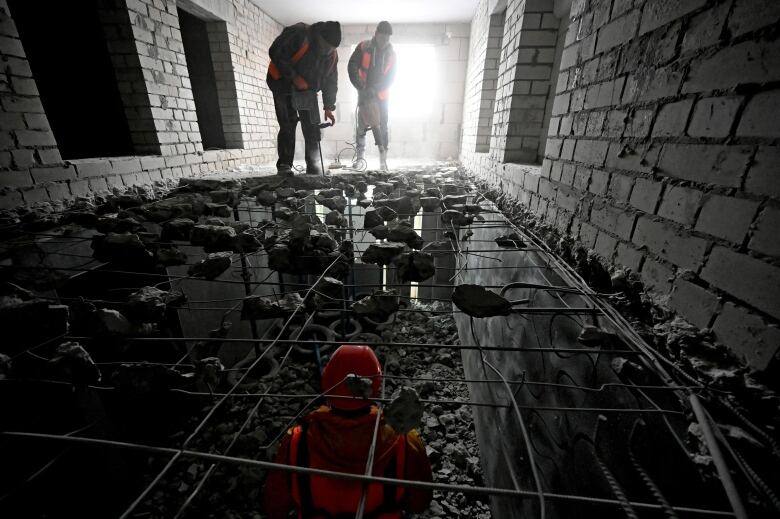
(273, 70)
(318, 497)
(365, 64)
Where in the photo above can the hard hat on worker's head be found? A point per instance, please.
(356, 363)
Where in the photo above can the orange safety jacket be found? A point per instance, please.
(295, 64)
(273, 70)
(328, 498)
(365, 51)
(333, 441)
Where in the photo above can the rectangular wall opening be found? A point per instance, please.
(72, 67)
(487, 102)
(205, 43)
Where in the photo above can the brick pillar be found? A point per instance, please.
(530, 37)
(219, 47)
(115, 19)
(164, 68)
(489, 79)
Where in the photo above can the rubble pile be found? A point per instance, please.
(447, 429)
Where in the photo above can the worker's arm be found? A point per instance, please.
(386, 79)
(330, 84)
(277, 499)
(354, 65)
(418, 468)
(283, 48)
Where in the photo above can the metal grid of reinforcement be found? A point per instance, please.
(277, 343)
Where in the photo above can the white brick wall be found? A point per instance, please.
(156, 91)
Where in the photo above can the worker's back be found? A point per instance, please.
(340, 441)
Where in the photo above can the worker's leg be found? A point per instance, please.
(285, 141)
(384, 136)
(311, 136)
(360, 140)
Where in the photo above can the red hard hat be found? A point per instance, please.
(348, 360)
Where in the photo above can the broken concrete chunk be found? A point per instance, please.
(336, 203)
(430, 203)
(382, 253)
(212, 266)
(402, 231)
(220, 210)
(248, 241)
(177, 229)
(456, 218)
(361, 186)
(511, 240)
(285, 192)
(111, 322)
(405, 410)
(330, 193)
(169, 256)
(214, 238)
(379, 232)
(433, 192)
(386, 214)
(113, 224)
(121, 248)
(349, 190)
(269, 307)
(266, 198)
(285, 213)
(383, 187)
(452, 189)
(279, 258)
(208, 184)
(379, 305)
(209, 371)
(335, 218)
(439, 248)
(330, 287)
(414, 266)
(229, 197)
(371, 219)
(147, 304)
(364, 202)
(451, 200)
(72, 363)
(477, 301)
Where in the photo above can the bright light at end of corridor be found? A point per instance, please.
(413, 93)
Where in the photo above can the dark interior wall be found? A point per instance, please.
(204, 85)
(69, 59)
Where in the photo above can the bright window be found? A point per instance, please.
(413, 93)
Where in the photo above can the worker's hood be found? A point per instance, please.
(342, 442)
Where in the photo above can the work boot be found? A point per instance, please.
(284, 170)
(360, 159)
(313, 160)
(383, 159)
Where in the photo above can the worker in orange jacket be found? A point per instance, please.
(304, 60)
(372, 70)
(338, 437)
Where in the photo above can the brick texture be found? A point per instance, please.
(666, 151)
(144, 41)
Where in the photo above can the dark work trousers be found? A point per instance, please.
(288, 118)
(381, 136)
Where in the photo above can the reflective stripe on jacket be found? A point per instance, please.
(380, 76)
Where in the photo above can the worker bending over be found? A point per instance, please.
(303, 61)
(372, 70)
(338, 437)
